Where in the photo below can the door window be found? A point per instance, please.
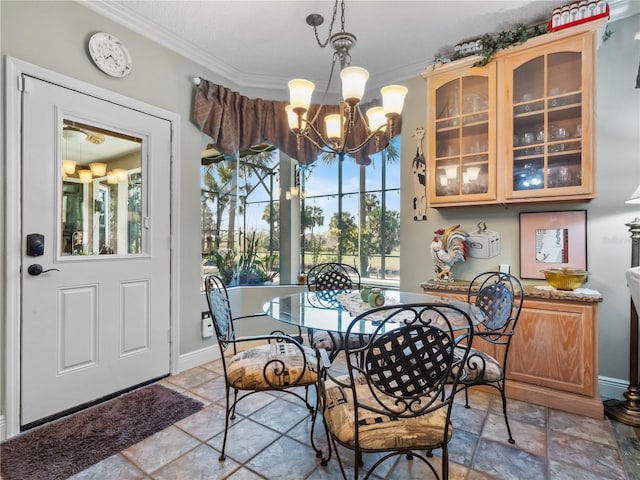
(102, 192)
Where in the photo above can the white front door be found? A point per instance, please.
(97, 319)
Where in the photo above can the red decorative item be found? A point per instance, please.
(594, 12)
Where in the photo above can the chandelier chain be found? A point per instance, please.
(333, 19)
(326, 90)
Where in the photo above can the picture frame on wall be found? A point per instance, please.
(552, 240)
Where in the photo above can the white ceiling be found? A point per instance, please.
(266, 43)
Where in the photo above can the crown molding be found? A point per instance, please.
(120, 13)
(130, 19)
(619, 9)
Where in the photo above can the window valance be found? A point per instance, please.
(235, 122)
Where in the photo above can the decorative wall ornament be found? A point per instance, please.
(474, 47)
(419, 168)
(447, 248)
(505, 39)
(489, 44)
(578, 12)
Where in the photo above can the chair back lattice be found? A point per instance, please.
(409, 358)
(333, 276)
(325, 299)
(499, 295)
(220, 309)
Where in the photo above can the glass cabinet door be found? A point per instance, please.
(546, 109)
(462, 139)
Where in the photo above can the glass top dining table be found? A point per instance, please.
(334, 310)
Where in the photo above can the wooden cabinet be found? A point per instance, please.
(553, 360)
(517, 130)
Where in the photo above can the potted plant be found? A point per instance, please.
(250, 269)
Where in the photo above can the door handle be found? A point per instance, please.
(36, 269)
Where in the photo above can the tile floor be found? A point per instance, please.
(270, 440)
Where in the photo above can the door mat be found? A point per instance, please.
(69, 445)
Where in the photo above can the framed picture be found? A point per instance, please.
(552, 239)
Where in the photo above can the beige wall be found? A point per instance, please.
(53, 35)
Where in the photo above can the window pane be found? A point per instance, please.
(358, 232)
(318, 246)
(239, 216)
(102, 192)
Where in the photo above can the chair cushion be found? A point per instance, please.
(272, 366)
(480, 367)
(376, 431)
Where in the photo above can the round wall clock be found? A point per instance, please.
(109, 54)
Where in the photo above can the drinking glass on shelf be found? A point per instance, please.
(578, 132)
(561, 133)
(564, 175)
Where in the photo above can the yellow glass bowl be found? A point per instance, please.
(564, 278)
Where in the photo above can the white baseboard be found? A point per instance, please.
(3, 428)
(197, 358)
(612, 387)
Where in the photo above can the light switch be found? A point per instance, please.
(207, 325)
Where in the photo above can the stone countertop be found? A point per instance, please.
(531, 290)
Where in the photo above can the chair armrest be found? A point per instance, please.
(253, 315)
(297, 338)
(324, 358)
(268, 337)
(494, 337)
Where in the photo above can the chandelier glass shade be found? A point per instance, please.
(85, 175)
(68, 167)
(98, 169)
(336, 136)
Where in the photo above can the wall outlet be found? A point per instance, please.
(207, 325)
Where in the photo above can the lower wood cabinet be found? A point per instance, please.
(554, 354)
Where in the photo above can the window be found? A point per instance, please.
(263, 215)
(102, 194)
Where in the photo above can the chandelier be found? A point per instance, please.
(338, 138)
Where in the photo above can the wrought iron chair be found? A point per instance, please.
(500, 296)
(281, 364)
(398, 400)
(329, 277)
(333, 276)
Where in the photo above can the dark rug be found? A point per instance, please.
(67, 446)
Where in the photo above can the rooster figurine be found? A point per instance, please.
(448, 247)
